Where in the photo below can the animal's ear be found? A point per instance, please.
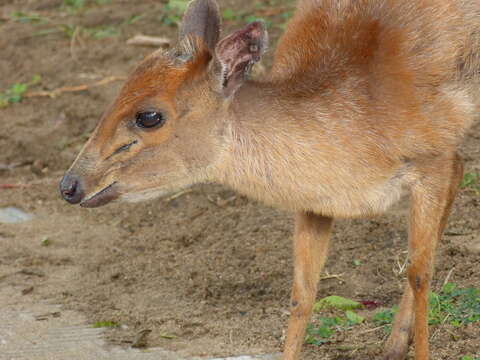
(202, 20)
(238, 52)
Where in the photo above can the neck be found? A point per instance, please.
(263, 132)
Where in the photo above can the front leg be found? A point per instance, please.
(312, 234)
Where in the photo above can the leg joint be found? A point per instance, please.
(419, 280)
(301, 309)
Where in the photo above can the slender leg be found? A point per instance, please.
(312, 233)
(402, 330)
(432, 198)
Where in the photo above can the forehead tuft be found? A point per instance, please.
(160, 73)
(152, 74)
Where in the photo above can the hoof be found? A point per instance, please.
(395, 354)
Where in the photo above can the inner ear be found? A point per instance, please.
(238, 52)
(202, 19)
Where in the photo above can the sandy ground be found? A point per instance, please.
(209, 273)
(40, 330)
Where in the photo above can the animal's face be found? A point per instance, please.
(159, 134)
(164, 130)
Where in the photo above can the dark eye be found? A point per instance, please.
(149, 119)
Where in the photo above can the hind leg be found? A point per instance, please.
(432, 198)
(402, 330)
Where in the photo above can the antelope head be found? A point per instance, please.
(165, 130)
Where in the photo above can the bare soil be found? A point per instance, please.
(209, 267)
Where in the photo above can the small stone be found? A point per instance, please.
(27, 290)
(473, 246)
(12, 215)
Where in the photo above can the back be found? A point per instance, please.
(388, 57)
(469, 62)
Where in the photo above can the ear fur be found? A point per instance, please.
(238, 52)
(202, 20)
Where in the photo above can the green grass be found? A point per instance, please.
(452, 305)
(471, 181)
(468, 357)
(28, 18)
(455, 306)
(46, 26)
(385, 317)
(324, 328)
(74, 5)
(97, 32)
(321, 332)
(102, 324)
(336, 302)
(173, 12)
(15, 93)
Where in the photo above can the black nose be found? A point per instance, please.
(71, 189)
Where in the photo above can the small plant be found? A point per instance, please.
(323, 329)
(322, 332)
(108, 324)
(385, 318)
(71, 30)
(28, 18)
(452, 305)
(471, 181)
(336, 302)
(353, 318)
(15, 94)
(455, 305)
(45, 241)
(229, 15)
(173, 12)
(132, 19)
(102, 32)
(74, 6)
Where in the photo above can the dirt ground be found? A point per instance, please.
(211, 268)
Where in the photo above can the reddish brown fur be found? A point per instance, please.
(367, 100)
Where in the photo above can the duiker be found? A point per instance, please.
(366, 99)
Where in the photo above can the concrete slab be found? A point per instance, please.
(41, 331)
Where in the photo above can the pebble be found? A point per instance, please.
(12, 215)
(473, 246)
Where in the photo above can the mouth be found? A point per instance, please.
(102, 197)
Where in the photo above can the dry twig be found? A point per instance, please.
(447, 278)
(333, 276)
(144, 40)
(66, 89)
(15, 186)
(140, 340)
(371, 330)
(178, 194)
